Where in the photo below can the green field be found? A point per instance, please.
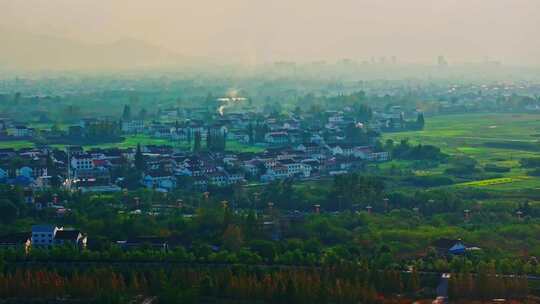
(39, 125)
(132, 141)
(456, 131)
(472, 134)
(16, 144)
(144, 140)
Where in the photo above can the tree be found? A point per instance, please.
(355, 134)
(233, 238)
(126, 114)
(197, 142)
(266, 249)
(189, 137)
(363, 112)
(132, 180)
(420, 121)
(297, 111)
(55, 129)
(14, 164)
(52, 171)
(250, 133)
(352, 189)
(209, 137)
(17, 98)
(462, 165)
(140, 162)
(72, 112)
(8, 211)
(142, 114)
(413, 285)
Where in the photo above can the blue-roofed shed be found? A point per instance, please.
(458, 248)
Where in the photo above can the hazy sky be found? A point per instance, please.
(267, 30)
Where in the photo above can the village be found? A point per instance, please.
(324, 152)
(273, 146)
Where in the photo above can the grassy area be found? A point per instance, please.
(129, 141)
(484, 127)
(468, 131)
(233, 145)
(39, 125)
(473, 135)
(16, 144)
(144, 140)
(133, 140)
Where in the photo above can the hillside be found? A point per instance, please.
(22, 50)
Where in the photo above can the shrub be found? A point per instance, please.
(495, 168)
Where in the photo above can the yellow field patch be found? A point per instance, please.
(493, 181)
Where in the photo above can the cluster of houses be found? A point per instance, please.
(250, 127)
(44, 236)
(27, 166)
(294, 146)
(245, 126)
(13, 130)
(100, 170)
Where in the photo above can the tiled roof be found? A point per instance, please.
(43, 228)
(67, 235)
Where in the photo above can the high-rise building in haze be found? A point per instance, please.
(441, 61)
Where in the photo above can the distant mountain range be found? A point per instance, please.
(20, 50)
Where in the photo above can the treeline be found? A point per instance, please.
(191, 284)
(347, 192)
(353, 284)
(404, 150)
(487, 286)
(513, 145)
(532, 163)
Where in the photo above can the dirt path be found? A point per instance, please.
(484, 138)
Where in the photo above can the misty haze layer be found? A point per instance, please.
(143, 33)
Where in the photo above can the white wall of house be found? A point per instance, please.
(3, 173)
(82, 163)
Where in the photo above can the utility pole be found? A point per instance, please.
(68, 168)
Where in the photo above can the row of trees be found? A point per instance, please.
(216, 140)
(191, 284)
(487, 285)
(350, 283)
(404, 150)
(128, 115)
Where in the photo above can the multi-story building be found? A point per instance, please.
(133, 126)
(50, 235)
(277, 138)
(82, 161)
(43, 235)
(22, 131)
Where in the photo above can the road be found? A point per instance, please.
(442, 290)
(150, 300)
